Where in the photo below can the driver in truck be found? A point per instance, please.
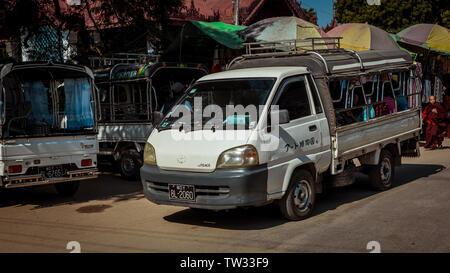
(176, 90)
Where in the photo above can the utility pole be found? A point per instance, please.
(236, 11)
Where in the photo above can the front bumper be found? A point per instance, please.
(221, 189)
(36, 180)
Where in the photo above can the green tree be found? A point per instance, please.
(393, 15)
(43, 22)
(121, 25)
(138, 19)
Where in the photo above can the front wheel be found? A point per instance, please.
(298, 202)
(67, 188)
(382, 176)
(130, 163)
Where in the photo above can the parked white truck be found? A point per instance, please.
(338, 112)
(48, 126)
(131, 96)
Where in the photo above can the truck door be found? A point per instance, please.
(300, 138)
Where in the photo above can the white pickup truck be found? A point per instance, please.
(323, 116)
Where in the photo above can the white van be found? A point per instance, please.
(294, 145)
(48, 132)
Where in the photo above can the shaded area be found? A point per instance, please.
(93, 208)
(107, 187)
(269, 216)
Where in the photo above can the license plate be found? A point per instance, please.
(182, 192)
(54, 171)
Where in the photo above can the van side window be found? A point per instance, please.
(315, 96)
(294, 98)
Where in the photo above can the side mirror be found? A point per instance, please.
(283, 115)
(157, 117)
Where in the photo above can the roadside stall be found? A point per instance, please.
(432, 45)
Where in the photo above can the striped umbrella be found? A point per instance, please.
(361, 37)
(426, 37)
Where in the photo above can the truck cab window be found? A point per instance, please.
(294, 98)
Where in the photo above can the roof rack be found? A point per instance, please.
(295, 45)
(317, 46)
(128, 58)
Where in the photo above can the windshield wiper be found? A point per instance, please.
(160, 129)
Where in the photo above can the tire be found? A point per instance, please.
(67, 188)
(346, 178)
(382, 176)
(130, 163)
(294, 208)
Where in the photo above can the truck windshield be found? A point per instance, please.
(41, 106)
(224, 104)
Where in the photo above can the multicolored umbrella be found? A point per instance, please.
(280, 28)
(361, 37)
(396, 38)
(426, 36)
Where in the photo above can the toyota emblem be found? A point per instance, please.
(181, 159)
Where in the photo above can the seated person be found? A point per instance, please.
(341, 117)
(354, 115)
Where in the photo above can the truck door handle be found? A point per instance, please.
(312, 128)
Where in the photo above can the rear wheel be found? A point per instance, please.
(130, 163)
(298, 202)
(382, 176)
(67, 188)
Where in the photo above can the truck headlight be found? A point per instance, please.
(149, 154)
(239, 157)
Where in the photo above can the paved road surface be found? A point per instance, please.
(112, 215)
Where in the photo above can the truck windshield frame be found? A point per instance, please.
(43, 103)
(241, 92)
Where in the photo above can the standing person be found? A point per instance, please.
(434, 116)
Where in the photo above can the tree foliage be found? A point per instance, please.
(145, 17)
(393, 15)
(116, 21)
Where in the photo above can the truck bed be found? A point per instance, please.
(363, 137)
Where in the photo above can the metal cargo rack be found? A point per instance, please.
(318, 46)
(122, 58)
